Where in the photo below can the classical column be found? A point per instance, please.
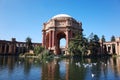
(43, 39)
(22, 48)
(67, 37)
(111, 49)
(0, 48)
(53, 38)
(11, 48)
(107, 47)
(116, 46)
(14, 48)
(18, 48)
(9, 51)
(5, 49)
(119, 48)
(50, 40)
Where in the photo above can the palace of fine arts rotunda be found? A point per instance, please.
(58, 27)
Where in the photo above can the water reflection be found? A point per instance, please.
(14, 68)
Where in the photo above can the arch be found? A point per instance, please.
(60, 35)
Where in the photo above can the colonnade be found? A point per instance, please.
(112, 47)
(7, 47)
(14, 47)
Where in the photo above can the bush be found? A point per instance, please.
(45, 54)
(38, 49)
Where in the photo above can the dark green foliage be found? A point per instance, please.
(94, 44)
(113, 38)
(38, 49)
(42, 52)
(103, 38)
(29, 43)
(46, 54)
(78, 45)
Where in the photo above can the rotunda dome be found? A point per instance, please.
(61, 15)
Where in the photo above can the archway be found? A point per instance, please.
(62, 42)
(61, 36)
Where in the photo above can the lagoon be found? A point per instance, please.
(15, 68)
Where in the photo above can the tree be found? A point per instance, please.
(103, 38)
(91, 36)
(38, 49)
(94, 44)
(113, 38)
(78, 45)
(29, 43)
(96, 38)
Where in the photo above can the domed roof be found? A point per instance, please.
(61, 15)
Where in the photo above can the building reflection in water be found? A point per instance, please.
(62, 70)
(65, 69)
(11, 62)
(50, 71)
(8, 62)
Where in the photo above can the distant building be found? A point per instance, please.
(111, 47)
(14, 47)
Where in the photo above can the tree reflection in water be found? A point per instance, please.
(14, 68)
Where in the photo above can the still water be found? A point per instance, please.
(14, 68)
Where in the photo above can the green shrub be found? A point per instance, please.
(38, 49)
(45, 54)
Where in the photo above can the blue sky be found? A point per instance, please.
(23, 18)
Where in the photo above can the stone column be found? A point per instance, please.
(14, 49)
(67, 37)
(0, 48)
(5, 49)
(43, 39)
(118, 48)
(111, 49)
(55, 42)
(18, 48)
(11, 48)
(107, 47)
(22, 48)
(53, 38)
(9, 51)
(51, 32)
(50, 40)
